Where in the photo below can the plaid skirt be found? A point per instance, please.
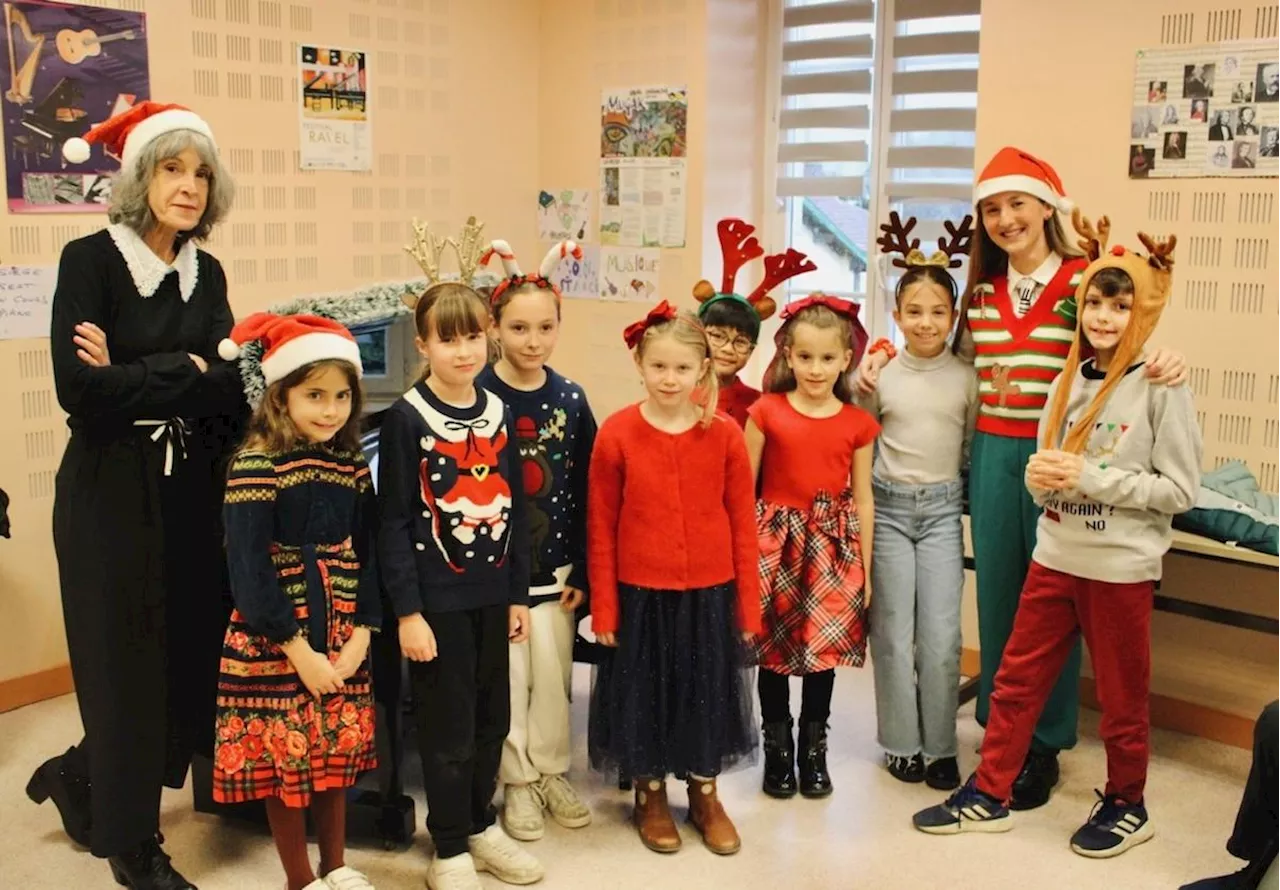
(811, 586)
(273, 737)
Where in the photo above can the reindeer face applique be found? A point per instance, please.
(462, 486)
(538, 475)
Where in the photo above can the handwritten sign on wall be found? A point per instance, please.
(26, 301)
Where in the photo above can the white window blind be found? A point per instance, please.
(877, 103)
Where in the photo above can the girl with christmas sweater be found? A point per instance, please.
(295, 714)
(554, 431)
(1016, 323)
(674, 586)
(454, 555)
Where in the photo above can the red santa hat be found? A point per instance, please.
(1014, 170)
(291, 342)
(129, 132)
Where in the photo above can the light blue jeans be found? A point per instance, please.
(918, 577)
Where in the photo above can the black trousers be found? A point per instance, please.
(1254, 838)
(462, 706)
(815, 696)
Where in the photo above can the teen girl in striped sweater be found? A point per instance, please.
(1017, 321)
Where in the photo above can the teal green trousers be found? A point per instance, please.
(1003, 525)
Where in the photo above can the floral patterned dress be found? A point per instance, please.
(300, 533)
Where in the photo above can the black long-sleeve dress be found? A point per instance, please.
(136, 517)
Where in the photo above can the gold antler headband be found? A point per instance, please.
(427, 250)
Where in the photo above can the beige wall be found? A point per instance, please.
(1073, 112)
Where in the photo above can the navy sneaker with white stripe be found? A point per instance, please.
(967, 810)
(1113, 827)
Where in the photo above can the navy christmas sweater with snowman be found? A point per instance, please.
(454, 529)
(555, 432)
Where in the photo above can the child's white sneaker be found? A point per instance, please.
(522, 811)
(564, 803)
(317, 884)
(454, 873)
(503, 858)
(346, 878)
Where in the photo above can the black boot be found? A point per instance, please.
(70, 793)
(779, 760)
(147, 868)
(1036, 780)
(815, 781)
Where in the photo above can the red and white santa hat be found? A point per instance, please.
(128, 133)
(291, 342)
(1014, 170)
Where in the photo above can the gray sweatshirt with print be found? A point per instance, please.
(1141, 467)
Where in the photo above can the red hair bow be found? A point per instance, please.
(664, 311)
(835, 304)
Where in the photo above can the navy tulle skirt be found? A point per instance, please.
(675, 696)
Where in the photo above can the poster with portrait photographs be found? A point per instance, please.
(1210, 110)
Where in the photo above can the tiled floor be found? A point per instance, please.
(859, 838)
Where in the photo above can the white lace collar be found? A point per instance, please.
(148, 270)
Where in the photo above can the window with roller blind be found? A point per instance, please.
(876, 111)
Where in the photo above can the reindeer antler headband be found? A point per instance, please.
(515, 278)
(738, 246)
(428, 250)
(951, 249)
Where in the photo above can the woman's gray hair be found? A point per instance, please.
(130, 189)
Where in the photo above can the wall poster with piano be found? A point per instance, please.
(70, 67)
(335, 124)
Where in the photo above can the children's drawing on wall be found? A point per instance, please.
(643, 144)
(627, 274)
(69, 68)
(1205, 111)
(334, 112)
(564, 214)
(580, 277)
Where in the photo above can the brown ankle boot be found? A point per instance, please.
(708, 816)
(653, 817)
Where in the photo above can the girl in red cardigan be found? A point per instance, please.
(671, 556)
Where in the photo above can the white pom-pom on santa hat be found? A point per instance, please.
(228, 350)
(75, 150)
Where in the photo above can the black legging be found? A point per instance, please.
(815, 696)
(1254, 838)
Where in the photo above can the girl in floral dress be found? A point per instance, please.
(295, 706)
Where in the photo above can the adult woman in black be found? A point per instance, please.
(137, 316)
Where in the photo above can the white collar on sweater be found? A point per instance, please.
(148, 270)
(1041, 276)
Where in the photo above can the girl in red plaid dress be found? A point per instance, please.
(295, 714)
(810, 450)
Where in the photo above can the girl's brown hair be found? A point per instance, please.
(780, 378)
(987, 259)
(686, 330)
(271, 429)
(450, 309)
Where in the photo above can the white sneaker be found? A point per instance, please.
(454, 873)
(522, 811)
(564, 803)
(503, 858)
(346, 878)
(317, 884)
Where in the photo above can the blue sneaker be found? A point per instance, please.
(1113, 827)
(967, 810)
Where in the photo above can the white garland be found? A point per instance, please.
(366, 305)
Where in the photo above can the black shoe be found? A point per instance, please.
(1035, 783)
(70, 793)
(905, 769)
(815, 781)
(943, 774)
(1244, 879)
(779, 760)
(147, 869)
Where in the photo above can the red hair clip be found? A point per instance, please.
(633, 334)
(835, 304)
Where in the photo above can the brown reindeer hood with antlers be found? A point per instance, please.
(1152, 276)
